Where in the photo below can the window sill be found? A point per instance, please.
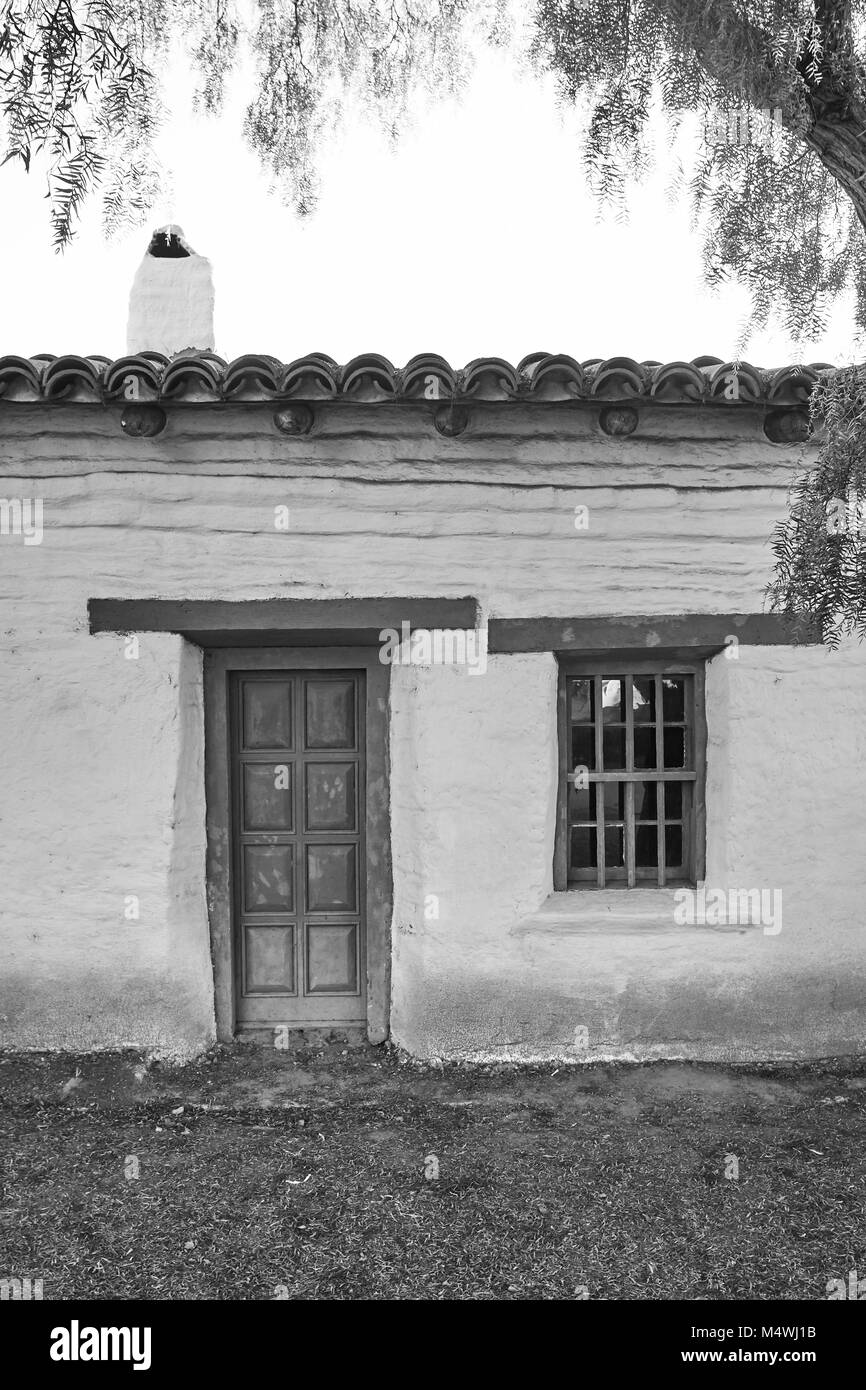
(616, 912)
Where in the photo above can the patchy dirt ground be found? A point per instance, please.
(313, 1174)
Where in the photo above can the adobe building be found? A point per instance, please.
(428, 705)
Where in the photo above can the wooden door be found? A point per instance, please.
(297, 743)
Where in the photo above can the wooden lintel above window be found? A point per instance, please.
(673, 636)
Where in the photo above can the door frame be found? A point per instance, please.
(219, 662)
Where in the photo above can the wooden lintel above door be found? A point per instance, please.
(276, 622)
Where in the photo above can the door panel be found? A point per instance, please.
(268, 803)
(267, 707)
(332, 878)
(332, 958)
(297, 775)
(329, 707)
(269, 962)
(330, 802)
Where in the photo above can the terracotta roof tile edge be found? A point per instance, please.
(202, 377)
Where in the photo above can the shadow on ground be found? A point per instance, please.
(342, 1173)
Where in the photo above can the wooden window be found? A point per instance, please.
(632, 740)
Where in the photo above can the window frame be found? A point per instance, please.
(622, 663)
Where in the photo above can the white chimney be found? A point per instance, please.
(172, 298)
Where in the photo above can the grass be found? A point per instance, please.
(551, 1181)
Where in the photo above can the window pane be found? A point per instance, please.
(645, 801)
(674, 747)
(645, 746)
(644, 699)
(582, 801)
(583, 847)
(613, 700)
(673, 697)
(674, 846)
(614, 846)
(582, 748)
(614, 749)
(673, 800)
(581, 702)
(646, 846)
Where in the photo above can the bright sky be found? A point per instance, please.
(476, 236)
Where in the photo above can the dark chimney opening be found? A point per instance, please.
(166, 246)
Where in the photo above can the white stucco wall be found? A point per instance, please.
(104, 924)
(480, 971)
(102, 794)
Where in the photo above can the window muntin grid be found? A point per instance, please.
(632, 775)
